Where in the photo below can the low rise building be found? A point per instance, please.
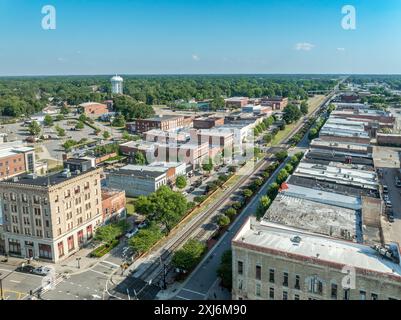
(137, 180)
(274, 262)
(208, 122)
(160, 136)
(93, 108)
(113, 204)
(50, 218)
(16, 158)
(276, 103)
(165, 123)
(236, 102)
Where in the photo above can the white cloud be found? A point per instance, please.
(195, 57)
(60, 59)
(341, 49)
(304, 46)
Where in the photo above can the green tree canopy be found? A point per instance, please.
(34, 128)
(189, 255)
(181, 182)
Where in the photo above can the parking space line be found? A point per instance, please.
(195, 292)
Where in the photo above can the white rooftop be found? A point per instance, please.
(322, 248)
(361, 178)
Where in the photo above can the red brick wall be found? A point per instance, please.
(112, 203)
(15, 164)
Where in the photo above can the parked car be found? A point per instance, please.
(25, 269)
(385, 189)
(386, 197)
(391, 217)
(42, 271)
(398, 183)
(389, 204)
(143, 224)
(131, 233)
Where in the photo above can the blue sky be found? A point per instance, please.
(210, 36)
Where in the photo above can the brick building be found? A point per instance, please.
(15, 159)
(276, 103)
(113, 204)
(208, 122)
(166, 122)
(93, 108)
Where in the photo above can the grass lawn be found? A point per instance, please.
(130, 206)
(284, 133)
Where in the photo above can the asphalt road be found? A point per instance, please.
(204, 276)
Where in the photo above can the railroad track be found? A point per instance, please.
(156, 269)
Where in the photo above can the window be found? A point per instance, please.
(296, 297)
(240, 267)
(297, 282)
(333, 291)
(374, 296)
(257, 289)
(271, 293)
(70, 241)
(271, 276)
(60, 247)
(14, 246)
(36, 200)
(240, 284)
(89, 232)
(37, 211)
(362, 294)
(285, 279)
(285, 295)
(80, 237)
(346, 294)
(24, 198)
(38, 222)
(45, 251)
(315, 285)
(258, 274)
(47, 224)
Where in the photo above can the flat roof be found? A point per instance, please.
(361, 178)
(323, 249)
(43, 181)
(140, 171)
(315, 216)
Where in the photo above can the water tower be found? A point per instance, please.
(117, 85)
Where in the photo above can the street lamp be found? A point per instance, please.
(79, 259)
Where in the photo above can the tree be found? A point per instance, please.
(282, 176)
(264, 204)
(146, 238)
(230, 213)
(247, 193)
(273, 190)
(80, 125)
(304, 107)
(217, 103)
(132, 109)
(281, 155)
(83, 118)
(34, 128)
(224, 271)
(60, 131)
(64, 110)
(289, 168)
(69, 144)
(189, 255)
(257, 183)
(236, 205)
(110, 232)
(139, 159)
(291, 114)
(268, 137)
(223, 220)
(181, 182)
(163, 206)
(119, 121)
(208, 166)
(106, 135)
(48, 121)
(60, 117)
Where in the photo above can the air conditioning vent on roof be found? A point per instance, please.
(296, 239)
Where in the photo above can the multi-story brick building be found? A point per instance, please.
(208, 122)
(49, 218)
(276, 103)
(236, 102)
(166, 122)
(113, 204)
(15, 159)
(271, 262)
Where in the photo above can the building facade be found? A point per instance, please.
(113, 204)
(271, 263)
(50, 218)
(15, 159)
(163, 123)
